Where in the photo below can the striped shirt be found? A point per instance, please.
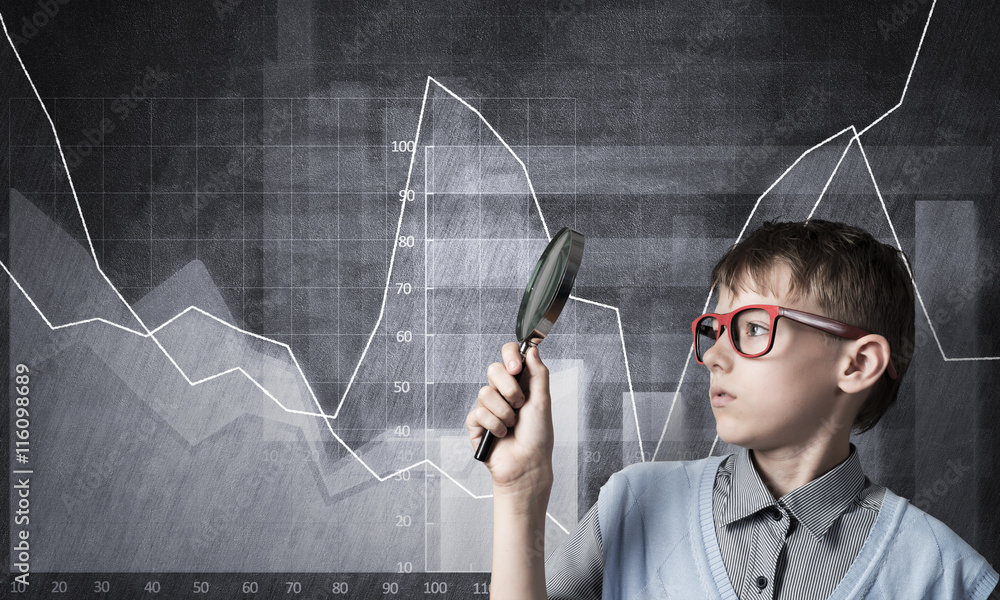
(795, 548)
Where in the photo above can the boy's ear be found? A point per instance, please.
(865, 361)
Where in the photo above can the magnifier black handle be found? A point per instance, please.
(487, 441)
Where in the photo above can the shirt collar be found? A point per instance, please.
(816, 504)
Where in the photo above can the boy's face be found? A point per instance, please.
(785, 398)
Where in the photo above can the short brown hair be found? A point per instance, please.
(854, 277)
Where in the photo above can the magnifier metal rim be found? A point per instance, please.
(540, 329)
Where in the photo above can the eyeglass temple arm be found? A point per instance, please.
(830, 326)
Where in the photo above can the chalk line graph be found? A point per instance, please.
(151, 333)
(854, 139)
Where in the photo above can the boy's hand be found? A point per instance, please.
(521, 460)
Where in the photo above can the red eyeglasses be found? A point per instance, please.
(751, 329)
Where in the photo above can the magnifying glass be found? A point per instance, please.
(543, 300)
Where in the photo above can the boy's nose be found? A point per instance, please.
(719, 353)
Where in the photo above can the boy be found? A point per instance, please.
(791, 515)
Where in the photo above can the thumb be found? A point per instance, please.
(538, 374)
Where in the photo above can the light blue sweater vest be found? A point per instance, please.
(659, 542)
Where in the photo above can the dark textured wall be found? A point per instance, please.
(238, 156)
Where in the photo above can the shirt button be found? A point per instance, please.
(775, 513)
(761, 582)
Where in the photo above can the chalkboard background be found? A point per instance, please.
(351, 196)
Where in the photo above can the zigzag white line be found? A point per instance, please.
(909, 75)
(505, 145)
(857, 138)
(392, 258)
(93, 254)
(628, 371)
(151, 334)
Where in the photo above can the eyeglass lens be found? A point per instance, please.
(750, 332)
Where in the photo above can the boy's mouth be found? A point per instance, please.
(720, 397)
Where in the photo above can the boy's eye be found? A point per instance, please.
(756, 329)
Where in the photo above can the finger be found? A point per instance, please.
(538, 373)
(506, 384)
(496, 404)
(476, 431)
(474, 427)
(511, 353)
(481, 418)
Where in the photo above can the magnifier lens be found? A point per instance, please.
(542, 287)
